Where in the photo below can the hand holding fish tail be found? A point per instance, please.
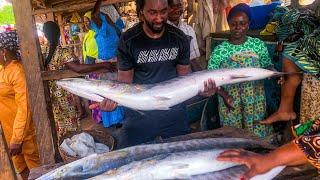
(256, 163)
(210, 88)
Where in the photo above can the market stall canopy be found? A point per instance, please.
(49, 6)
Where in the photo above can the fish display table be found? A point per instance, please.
(299, 172)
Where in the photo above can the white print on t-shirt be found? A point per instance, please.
(158, 55)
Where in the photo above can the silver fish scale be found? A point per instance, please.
(123, 87)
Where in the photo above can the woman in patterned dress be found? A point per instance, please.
(63, 103)
(249, 105)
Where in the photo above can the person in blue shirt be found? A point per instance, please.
(107, 38)
(107, 33)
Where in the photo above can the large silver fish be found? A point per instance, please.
(160, 96)
(197, 150)
(183, 165)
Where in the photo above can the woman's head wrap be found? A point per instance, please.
(10, 41)
(242, 7)
(88, 14)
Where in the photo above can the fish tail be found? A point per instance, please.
(279, 74)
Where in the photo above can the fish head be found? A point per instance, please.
(71, 82)
(62, 83)
(81, 87)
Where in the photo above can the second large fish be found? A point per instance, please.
(160, 96)
(122, 160)
(195, 165)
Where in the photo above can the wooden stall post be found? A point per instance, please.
(32, 62)
(50, 17)
(190, 9)
(208, 47)
(61, 26)
(6, 167)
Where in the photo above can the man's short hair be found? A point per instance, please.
(140, 4)
(170, 2)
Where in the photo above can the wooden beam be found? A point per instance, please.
(61, 26)
(208, 47)
(76, 7)
(190, 8)
(32, 62)
(39, 3)
(55, 2)
(69, 3)
(7, 170)
(47, 3)
(50, 17)
(60, 74)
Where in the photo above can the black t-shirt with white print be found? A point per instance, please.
(153, 60)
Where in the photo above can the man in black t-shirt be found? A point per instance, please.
(152, 52)
(154, 60)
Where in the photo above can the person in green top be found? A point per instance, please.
(249, 101)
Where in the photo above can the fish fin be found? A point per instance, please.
(140, 112)
(238, 76)
(178, 165)
(162, 98)
(163, 108)
(181, 166)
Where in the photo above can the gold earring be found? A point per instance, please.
(4, 58)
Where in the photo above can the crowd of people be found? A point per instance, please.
(135, 57)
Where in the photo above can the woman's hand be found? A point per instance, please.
(112, 67)
(106, 105)
(257, 164)
(209, 88)
(15, 149)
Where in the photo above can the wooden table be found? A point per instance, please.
(292, 173)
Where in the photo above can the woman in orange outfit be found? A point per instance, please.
(15, 115)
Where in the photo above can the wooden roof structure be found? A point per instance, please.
(66, 6)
